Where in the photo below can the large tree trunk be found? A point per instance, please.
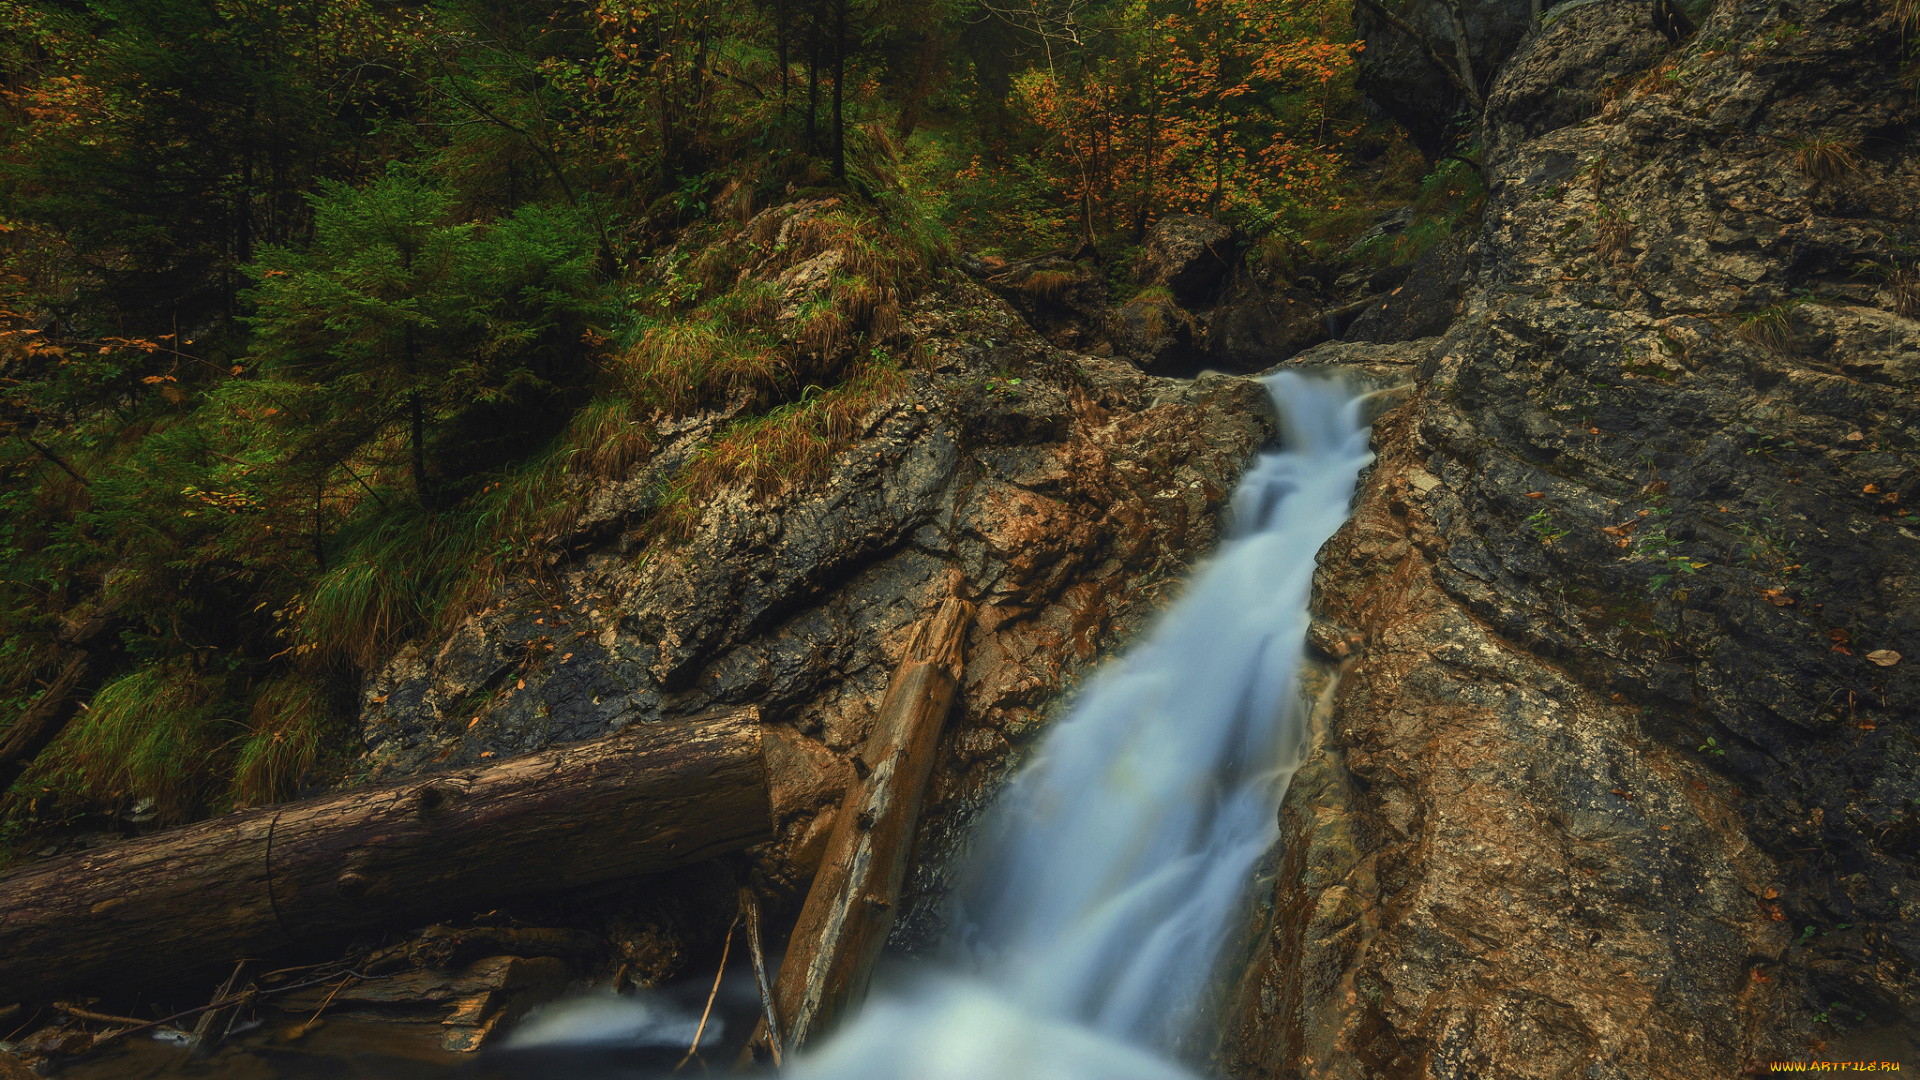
(849, 910)
(131, 914)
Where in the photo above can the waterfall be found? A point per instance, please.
(1102, 887)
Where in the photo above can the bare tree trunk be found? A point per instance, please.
(850, 908)
(146, 911)
(839, 79)
(1459, 74)
(1463, 53)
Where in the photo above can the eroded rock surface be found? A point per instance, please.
(1062, 493)
(1621, 779)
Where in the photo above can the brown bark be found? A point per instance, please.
(850, 908)
(135, 913)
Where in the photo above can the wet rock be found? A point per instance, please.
(1189, 255)
(1253, 334)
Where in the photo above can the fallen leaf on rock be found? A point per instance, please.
(1840, 635)
(1884, 657)
(1621, 793)
(472, 723)
(1536, 494)
(1776, 597)
(1871, 489)
(1771, 893)
(1855, 436)
(1843, 650)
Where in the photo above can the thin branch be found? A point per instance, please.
(702, 1029)
(55, 458)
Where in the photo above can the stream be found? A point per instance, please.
(1098, 895)
(1090, 914)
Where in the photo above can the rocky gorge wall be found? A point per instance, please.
(1620, 773)
(1621, 779)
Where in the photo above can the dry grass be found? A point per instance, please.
(858, 298)
(751, 305)
(1769, 328)
(1048, 285)
(1612, 235)
(785, 450)
(689, 365)
(607, 438)
(1903, 288)
(717, 267)
(820, 334)
(1824, 161)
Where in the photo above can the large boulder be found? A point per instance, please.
(1261, 331)
(1156, 334)
(1559, 76)
(1189, 255)
(1064, 301)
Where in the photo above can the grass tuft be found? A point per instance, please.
(1903, 288)
(790, 448)
(1048, 285)
(1769, 328)
(1612, 233)
(1824, 161)
(289, 722)
(148, 735)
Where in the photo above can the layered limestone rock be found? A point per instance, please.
(1620, 779)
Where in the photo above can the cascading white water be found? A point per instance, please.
(1105, 882)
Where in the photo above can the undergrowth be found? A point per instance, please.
(203, 498)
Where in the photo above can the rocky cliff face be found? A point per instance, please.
(1621, 780)
(1066, 496)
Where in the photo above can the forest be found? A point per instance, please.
(1138, 539)
(318, 316)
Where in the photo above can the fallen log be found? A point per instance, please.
(850, 907)
(650, 798)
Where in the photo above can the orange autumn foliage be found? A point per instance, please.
(1221, 110)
